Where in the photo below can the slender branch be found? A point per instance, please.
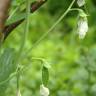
(34, 6)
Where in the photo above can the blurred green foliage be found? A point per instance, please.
(73, 61)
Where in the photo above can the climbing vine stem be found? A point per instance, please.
(52, 27)
(23, 43)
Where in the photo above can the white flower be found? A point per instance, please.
(44, 91)
(82, 27)
(80, 3)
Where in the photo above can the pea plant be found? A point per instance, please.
(10, 59)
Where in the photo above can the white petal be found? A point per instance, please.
(82, 27)
(80, 3)
(44, 91)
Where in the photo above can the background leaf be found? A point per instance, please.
(7, 67)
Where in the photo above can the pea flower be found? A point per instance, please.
(82, 27)
(80, 3)
(44, 91)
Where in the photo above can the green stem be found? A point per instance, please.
(54, 25)
(76, 9)
(24, 38)
(23, 42)
(42, 61)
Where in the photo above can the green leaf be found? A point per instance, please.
(45, 75)
(16, 18)
(7, 67)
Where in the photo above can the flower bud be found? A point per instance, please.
(80, 3)
(44, 91)
(82, 27)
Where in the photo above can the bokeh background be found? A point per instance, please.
(73, 61)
